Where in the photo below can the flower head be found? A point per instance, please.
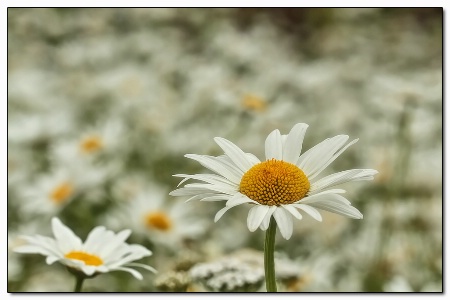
(279, 186)
(51, 193)
(229, 274)
(150, 215)
(102, 252)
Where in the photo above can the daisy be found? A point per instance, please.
(102, 252)
(148, 214)
(50, 193)
(280, 186)
(93, 142)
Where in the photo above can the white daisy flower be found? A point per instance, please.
(149, 215)
(91, 143)
(102, 252)
(285, 182)
(51, 193)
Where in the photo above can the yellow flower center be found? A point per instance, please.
(158, 220)
(91, 144)
(89, 259)
(254, 103)
(274, 182)
(61, 192)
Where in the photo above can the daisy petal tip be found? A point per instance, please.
(219, 140)
(251, 229)
(287, 236)
(56, 221)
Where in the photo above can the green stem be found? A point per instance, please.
(269, 261)
(78, 284)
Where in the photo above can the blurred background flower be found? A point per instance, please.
(104, 103)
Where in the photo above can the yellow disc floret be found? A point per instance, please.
(274, 182)
(91, 144)
(89, 259)
(61, 192)
(158, 220)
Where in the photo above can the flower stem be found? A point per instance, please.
(78, 283)
(269, 262)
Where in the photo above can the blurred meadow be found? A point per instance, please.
(103, 104)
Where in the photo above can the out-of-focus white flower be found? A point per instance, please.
(166, 223)
(172, 282)
(102, 252)
(128, 187)
(278, 186)
(53, 191)
(243, 271)
(229, 275)
(50, 193)
(398, 284)
(36, 127)
(105, 138)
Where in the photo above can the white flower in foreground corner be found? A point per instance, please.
(285, 182)
(103, 251)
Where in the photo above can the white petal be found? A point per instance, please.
(118, 240)
(228, 163)
(126, 254)
(93, 240)
(266, 221)
(256, 216)
(310, 211)
(290, 208)
(205, 195)
(316, 157)
(45, 246)
(284, 222)
(88, 270)
(234, 153)
(32, 249)
(339, 208)
(324, 196)
(336, 155)
(252, 159)
(103, 243)
(218, 166)
(51, 259)
(315, 193)
(66, 239)
(221, 212)
(343, 177)
(238, 199)
(133, 272)
(212, 187)
(209, 178)
(219, 197)
(194, 193)
(147, 267)
(273, 146)
(293, 144)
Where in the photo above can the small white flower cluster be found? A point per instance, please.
(229, 274)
